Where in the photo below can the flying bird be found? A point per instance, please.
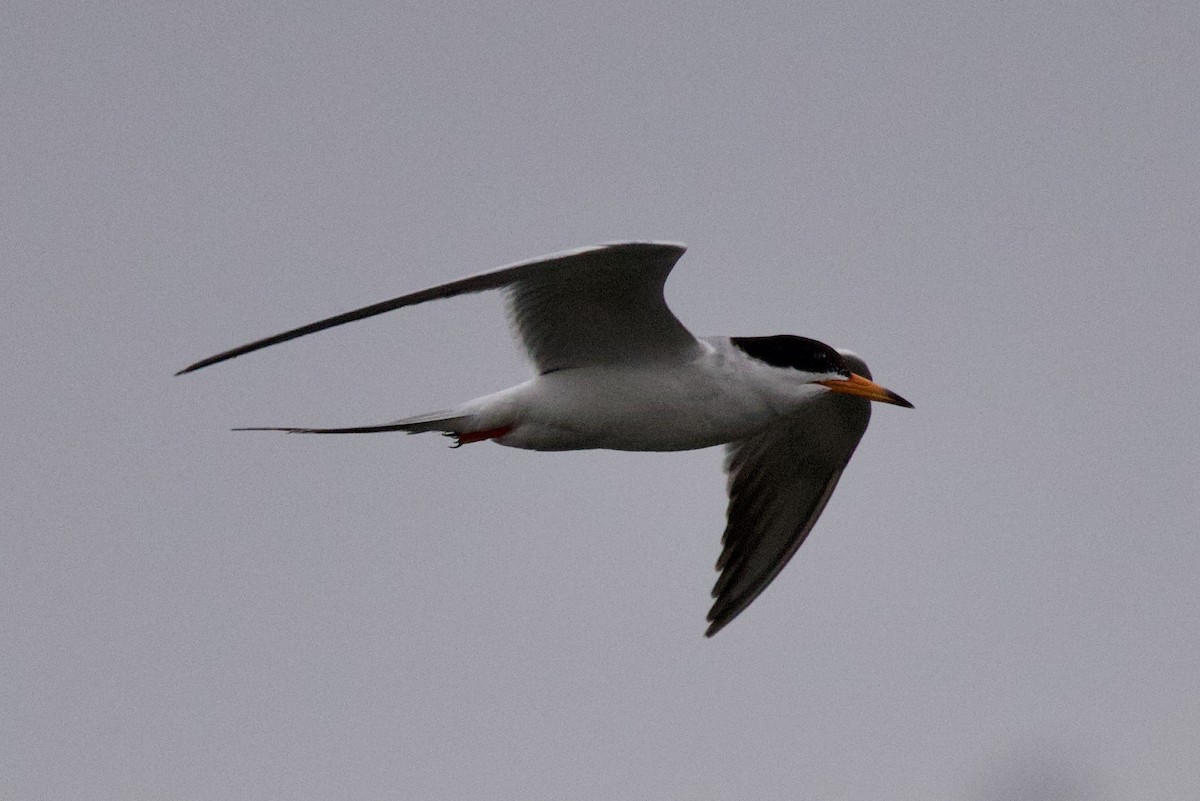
(617, 370)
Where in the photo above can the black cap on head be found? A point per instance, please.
(798, 353)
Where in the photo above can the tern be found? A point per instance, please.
(617, 370)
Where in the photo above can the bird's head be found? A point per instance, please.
(817, 363)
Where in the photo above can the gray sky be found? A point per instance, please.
(997, 207)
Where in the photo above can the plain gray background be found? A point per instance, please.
(995, 204)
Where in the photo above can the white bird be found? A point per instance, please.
(617, 370)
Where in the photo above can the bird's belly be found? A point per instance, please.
(644, 411)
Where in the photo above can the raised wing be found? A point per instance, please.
(598, 305)
(779, 483)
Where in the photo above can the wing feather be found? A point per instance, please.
(596, 305)
(779, 483)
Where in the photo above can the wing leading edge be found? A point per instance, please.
(599, 304)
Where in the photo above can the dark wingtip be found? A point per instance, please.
(717, 622)
(220, 357)
(191, 368)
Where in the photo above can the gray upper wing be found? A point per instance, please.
(779, 482)
(598, 305)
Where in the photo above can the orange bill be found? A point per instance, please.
(864, 388)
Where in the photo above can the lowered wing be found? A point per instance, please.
(779, 482)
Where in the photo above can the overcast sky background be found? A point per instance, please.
(995, 204)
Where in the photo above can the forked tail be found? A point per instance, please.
(451, 423)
